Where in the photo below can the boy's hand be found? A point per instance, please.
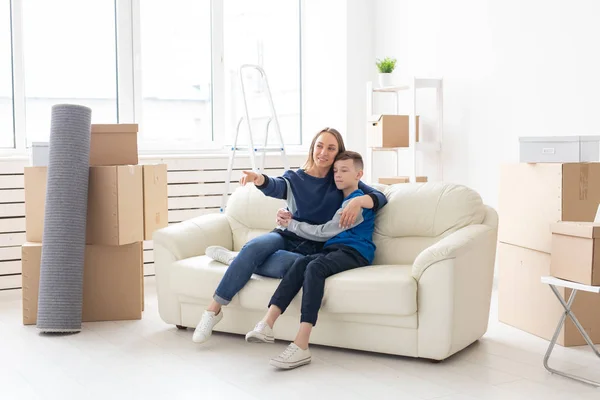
(350, 213)
(285, 222)
(251, 177)
(283, 215)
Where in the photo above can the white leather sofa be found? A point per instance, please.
(427, 294)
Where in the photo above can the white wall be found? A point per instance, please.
(511, 68)
(324, 82)
(360, 63)
(339, 58)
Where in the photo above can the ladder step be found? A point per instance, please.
(274, 149)
(254, 148)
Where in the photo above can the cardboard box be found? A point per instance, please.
(156, 198)
(114, 144)
(575, 252)
(112, 288)
(389, 131)
(527, 304)
(115, 205)
(533, 196)
(115, 213)
(400, 179)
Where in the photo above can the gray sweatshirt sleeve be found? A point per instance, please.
(324, 232)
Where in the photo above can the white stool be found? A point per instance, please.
(553, 283)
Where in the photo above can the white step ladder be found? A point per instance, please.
(252, 150)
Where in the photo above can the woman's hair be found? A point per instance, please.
(338, 137)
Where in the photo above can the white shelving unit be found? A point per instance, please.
(433, 146)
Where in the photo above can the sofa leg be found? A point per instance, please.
(435, 361)
(181, 327)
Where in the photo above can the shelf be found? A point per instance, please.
(419, 146)
(409, 88)
(390, 89)
(428, 83)
(260, 149)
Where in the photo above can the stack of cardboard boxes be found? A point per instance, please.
(127, 202)
(534, 199)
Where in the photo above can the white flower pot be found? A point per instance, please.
(386, 79)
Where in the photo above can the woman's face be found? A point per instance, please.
(326, 148)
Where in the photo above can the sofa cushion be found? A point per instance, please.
(399, 251)
(381, 289)
(432, 209)
(378, 289)
(250, 214)
(197, 277)
(419, 215)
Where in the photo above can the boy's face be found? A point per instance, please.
(345, 174)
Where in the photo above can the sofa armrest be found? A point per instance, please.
(191, 238)
(452, 246)
(455, 278)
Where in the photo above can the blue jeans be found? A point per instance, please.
(309, 274)
(269, 255)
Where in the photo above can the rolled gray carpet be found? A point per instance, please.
(63, 240)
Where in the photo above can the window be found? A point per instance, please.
(172, 69)
(7, 137)
(265, 33)
(70, 57)
(176, 74)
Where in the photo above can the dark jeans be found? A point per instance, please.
(269, 255)
(309, 273)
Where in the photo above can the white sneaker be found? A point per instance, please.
(221, 254)
(262, 333)
(204, 329)
(292, 357)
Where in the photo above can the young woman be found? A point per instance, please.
(313, 198)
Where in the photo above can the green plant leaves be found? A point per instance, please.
(386, 65)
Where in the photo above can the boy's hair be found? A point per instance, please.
(351, 155)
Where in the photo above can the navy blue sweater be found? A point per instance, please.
(316, 199)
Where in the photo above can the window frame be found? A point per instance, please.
(129, 89)
(18, 78)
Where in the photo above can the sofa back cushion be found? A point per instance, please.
(250, 214)
(418, 215)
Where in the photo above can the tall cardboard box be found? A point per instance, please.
(527, 304)
(533, 196)
(115, 205)
(576, 252)
(389, 131)
(156, 208)
(114, 144)
(115, 213)
(112, 288)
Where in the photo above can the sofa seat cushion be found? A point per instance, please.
(198, 277)
(376, 289)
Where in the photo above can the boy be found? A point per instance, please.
(344, 249)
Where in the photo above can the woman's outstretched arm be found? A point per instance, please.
(272, 187)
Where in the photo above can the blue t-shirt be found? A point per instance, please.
(360, 237)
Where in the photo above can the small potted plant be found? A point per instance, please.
(386, 67)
